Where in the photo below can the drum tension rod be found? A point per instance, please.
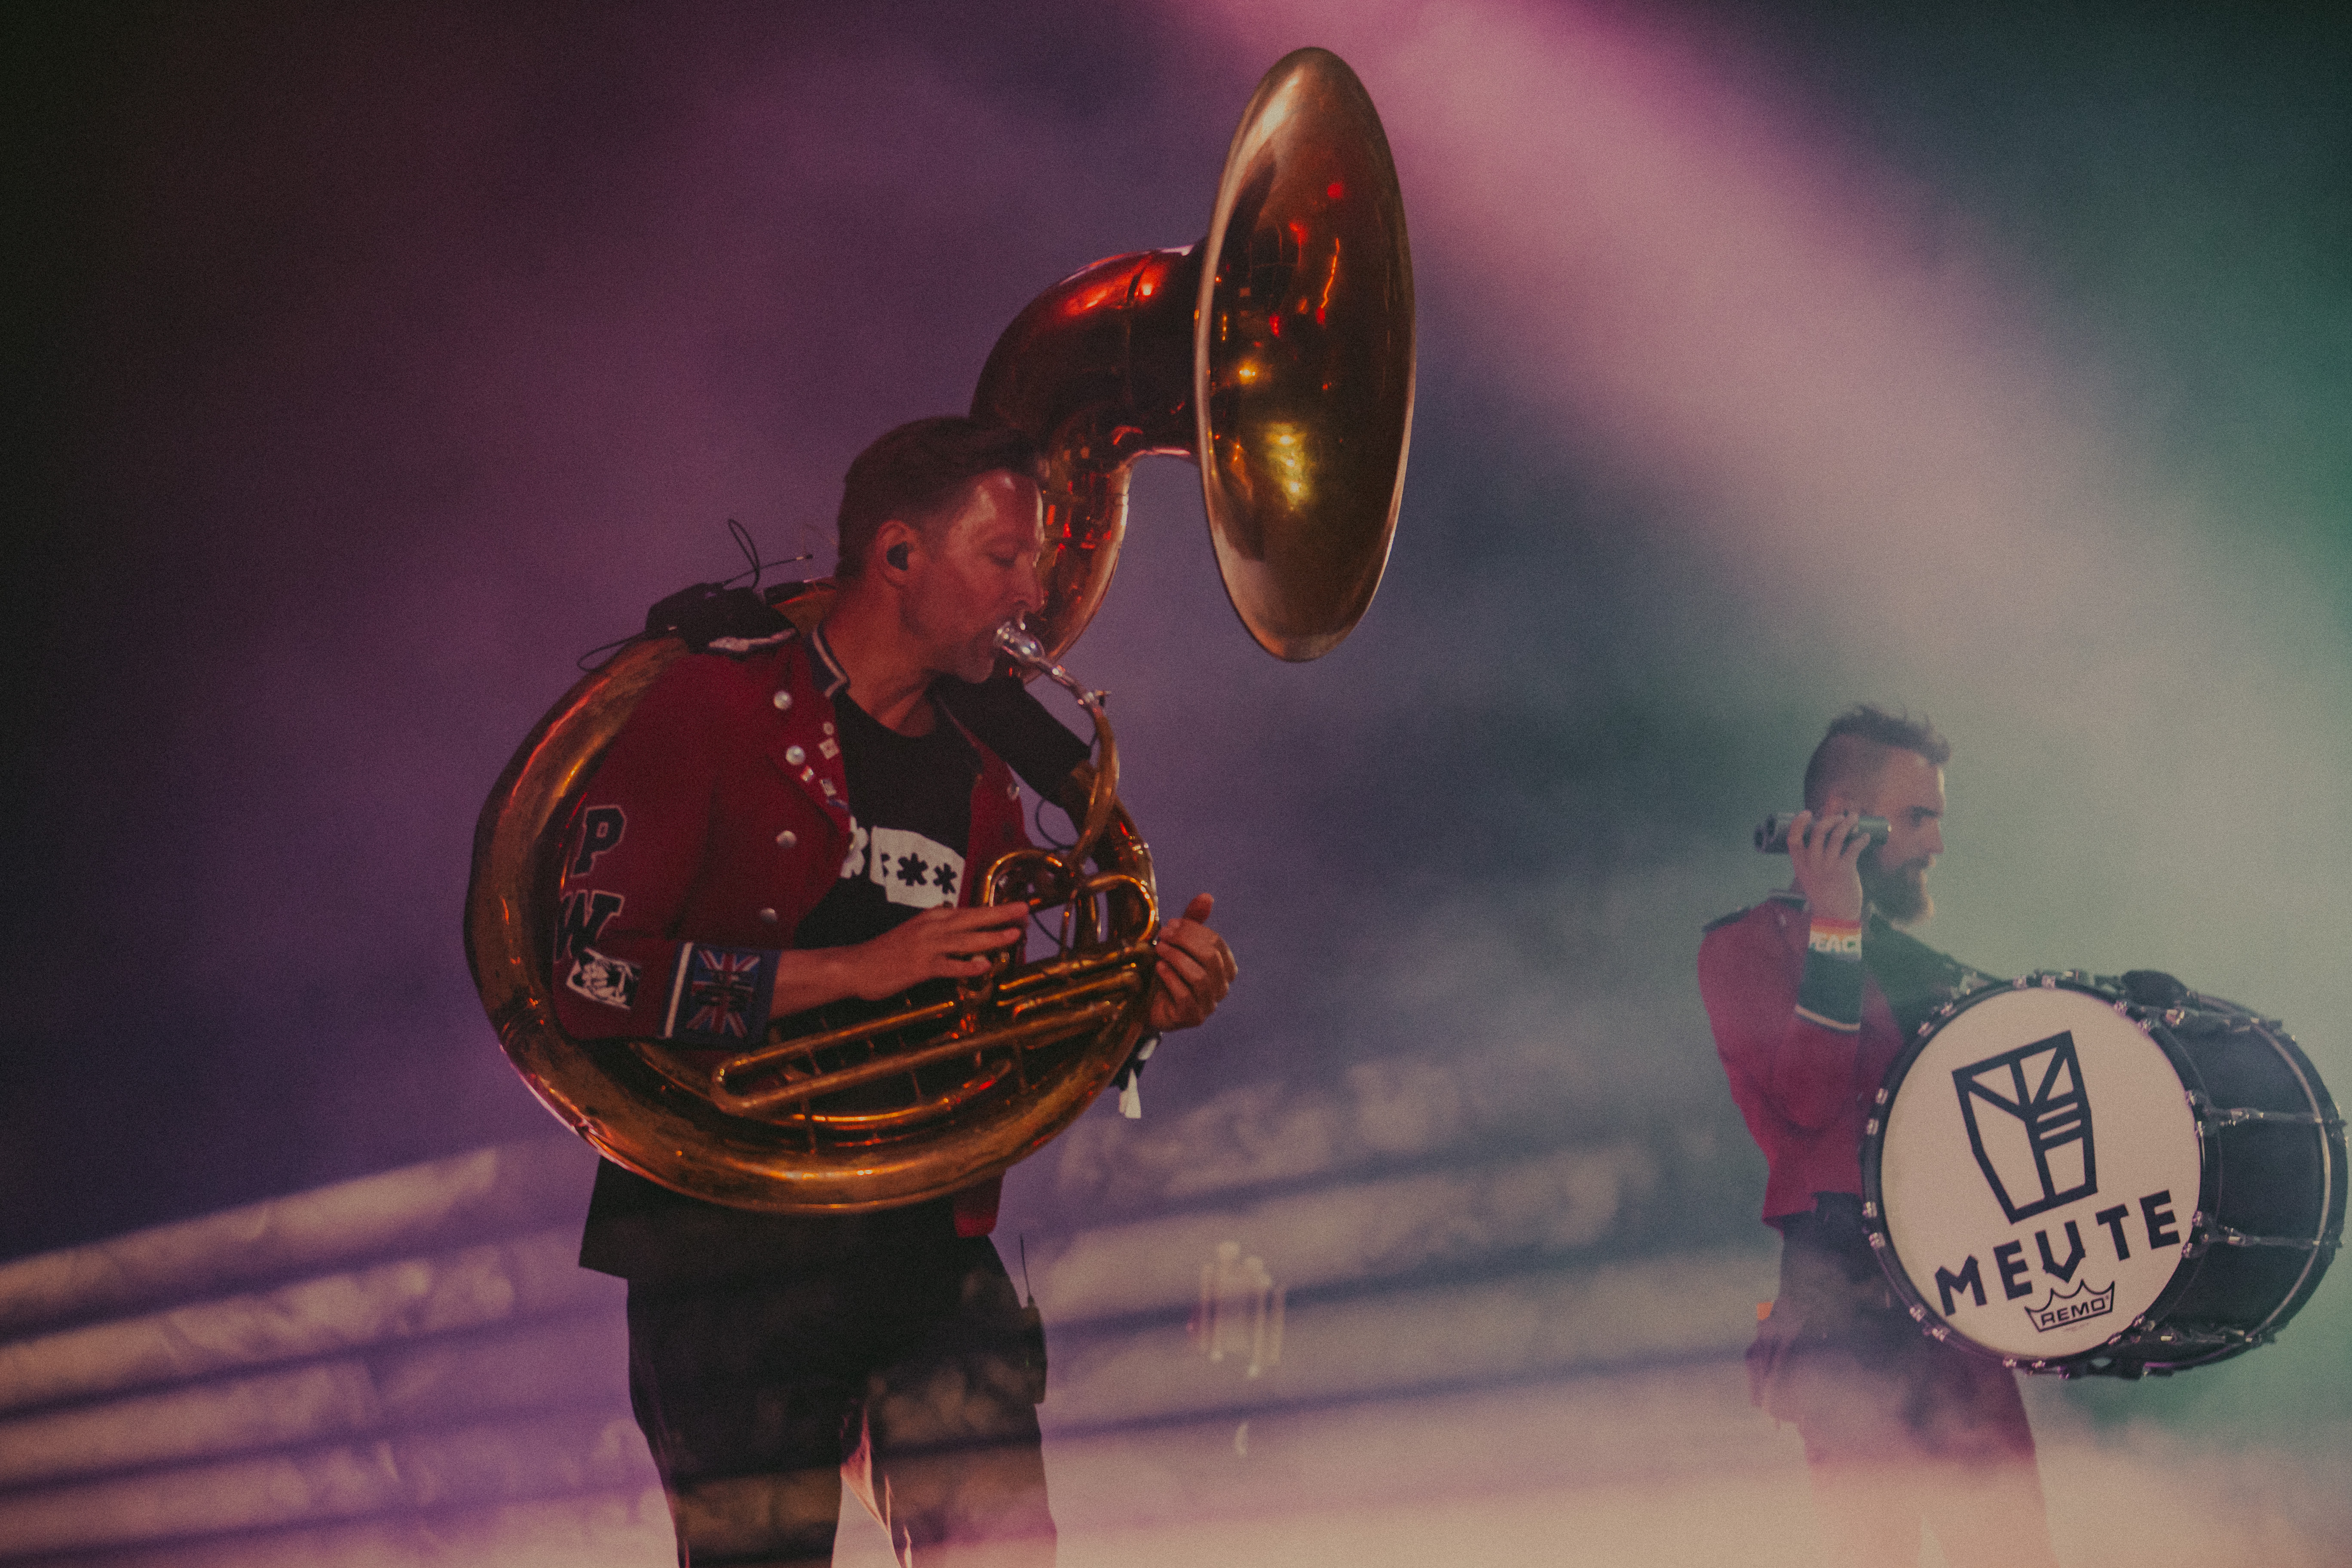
(2211, 1234)
(2214, 1115)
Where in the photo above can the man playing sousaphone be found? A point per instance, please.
(750, 818)
(789, 821)
(1811, 994)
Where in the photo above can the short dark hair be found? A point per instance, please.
(915, 472)
(1856, 746)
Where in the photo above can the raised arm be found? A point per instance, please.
(1787, 1015)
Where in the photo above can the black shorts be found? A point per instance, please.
(914, 1367)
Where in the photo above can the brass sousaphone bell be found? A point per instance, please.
(1278, 354)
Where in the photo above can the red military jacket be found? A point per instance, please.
(717, 820)
(1803, 1078)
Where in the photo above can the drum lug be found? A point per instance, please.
(2207, 1234)
(2215, 1116)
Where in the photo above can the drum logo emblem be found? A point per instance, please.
(2076, 1305)
(2036, 1153)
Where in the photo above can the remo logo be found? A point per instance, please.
(2038, 1174)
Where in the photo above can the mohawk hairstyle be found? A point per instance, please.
(1856, 745)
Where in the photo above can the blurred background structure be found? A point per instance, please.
(363, 371)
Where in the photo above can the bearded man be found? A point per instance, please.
(1811, 993)
(789, 822)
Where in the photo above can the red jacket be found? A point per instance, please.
(1804, 1086)
(717, 820)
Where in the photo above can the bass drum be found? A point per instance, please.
(2096, 1177)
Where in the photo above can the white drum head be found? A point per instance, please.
(2038, 1171)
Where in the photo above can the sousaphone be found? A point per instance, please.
(1279, 354)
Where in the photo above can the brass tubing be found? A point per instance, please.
(1038, 1031)
(1031, 977)
(914, 1113)
(1102, 987)
(846, 1035)
(1125, 983)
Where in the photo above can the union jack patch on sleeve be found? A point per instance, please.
(721, 995)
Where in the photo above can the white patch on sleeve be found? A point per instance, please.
(854, 863)
(612, 981)
(912, 869)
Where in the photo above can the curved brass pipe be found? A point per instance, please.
(1278, 352)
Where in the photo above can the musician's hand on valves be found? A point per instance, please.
(938, 944)
(1195, 969)
(1826, 852)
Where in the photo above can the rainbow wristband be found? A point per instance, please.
(1835, 939)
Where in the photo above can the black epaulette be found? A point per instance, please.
(711, 616)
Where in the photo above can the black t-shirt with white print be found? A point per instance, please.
(910, 820)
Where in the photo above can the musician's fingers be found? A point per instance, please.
(981, 941)
(998, 933)
(1196, 936)
(1175, 961)
(1196, 996)
(1205, 949)
(1205, 974)
(982, 917)
(962, 931)
(1824, 834)
(1177, 1005)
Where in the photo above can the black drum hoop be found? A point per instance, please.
(2145, 1345)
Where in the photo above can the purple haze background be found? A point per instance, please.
(368, 369)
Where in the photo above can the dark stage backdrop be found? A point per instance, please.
(365, 367)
